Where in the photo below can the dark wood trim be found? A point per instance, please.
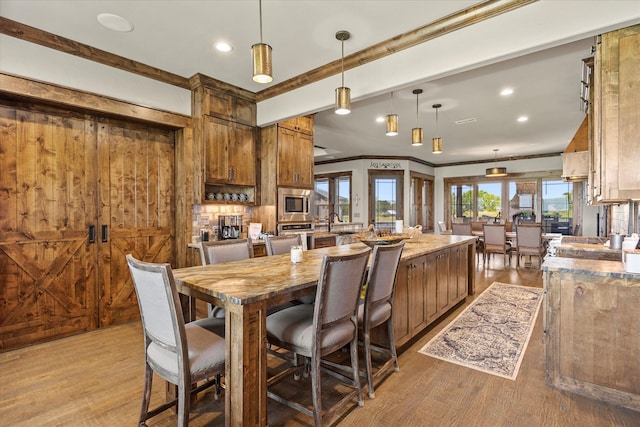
(25, 89)
(348, 159)
(63, 44)
(440, 27)
(198, 80)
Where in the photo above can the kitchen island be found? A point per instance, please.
(248, 288)
(591, 324)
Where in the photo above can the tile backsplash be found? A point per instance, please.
(206, 216)
(622, 218)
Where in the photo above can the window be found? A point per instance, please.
(489, 201)
(557, 206)
(421, 195)
(333, 194)
(386, 198)
(462, 200)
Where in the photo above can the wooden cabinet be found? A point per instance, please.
(295, 159)
(427, 286)
(286, 156)
(324, 242)
(229, 152)
(225, 106)
(591, 325)
(614, 150)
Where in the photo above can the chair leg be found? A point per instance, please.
(146, 394)
(315, 391)
(367, 361)
(356, 371)
(184, 401)
(392, 345)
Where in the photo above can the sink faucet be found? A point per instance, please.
(331, 216)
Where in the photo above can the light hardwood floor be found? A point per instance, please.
(95, 379)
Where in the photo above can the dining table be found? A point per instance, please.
(247, 289)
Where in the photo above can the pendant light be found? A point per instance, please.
(436, 143)
(495, 171)
(261, 54)
(343, 94)
(416, 133)
(392, 121)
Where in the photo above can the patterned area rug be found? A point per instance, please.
(492, 333)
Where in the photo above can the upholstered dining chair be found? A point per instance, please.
(217, 251)
(278, 245)
(461, 229)
(317, 330)
(377, 309)
(495, 241)
(182, 354)
(529, 236)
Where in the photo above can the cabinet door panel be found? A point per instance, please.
(136, 197)
(242, 155)
(431, 284)
(442, 266)
(417, 294)
(401, 302)
(47, 265)
(286, 157)
(304, 163)
(217, 135)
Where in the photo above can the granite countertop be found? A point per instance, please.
(588, 250)
(262, 278)
(591, 267)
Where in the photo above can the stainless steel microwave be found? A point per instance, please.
(295, 205)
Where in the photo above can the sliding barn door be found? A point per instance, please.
(48, 264)
(136, 210)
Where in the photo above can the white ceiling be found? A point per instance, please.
(178, 36)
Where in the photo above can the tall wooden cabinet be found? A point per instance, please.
(286, 157)
(614, 147)
(225, 131)
(79, 193)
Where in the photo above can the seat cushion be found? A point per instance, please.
(293, 328)
(379, 313)
(206, 351)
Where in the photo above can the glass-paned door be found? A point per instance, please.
(523, 201)
(321, 195)
(385, 199)
(343, 200)
(557, 206)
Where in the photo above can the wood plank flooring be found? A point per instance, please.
(95, 379)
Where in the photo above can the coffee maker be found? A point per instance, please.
(229, 226)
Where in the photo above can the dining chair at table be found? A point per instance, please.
(182, 354)
(278, 245)
(529, 236)
(495, 241)
(377, 309)
(466, 229)
(218, 251)
(314, 331)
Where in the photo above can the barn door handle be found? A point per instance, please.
(92, 233)
(105, 233)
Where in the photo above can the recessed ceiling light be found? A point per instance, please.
(523, 118)
(223, 47)
(380, 119)
(506, 92)
(115, 22)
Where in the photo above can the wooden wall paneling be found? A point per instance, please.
(48, 275)
(188, 183)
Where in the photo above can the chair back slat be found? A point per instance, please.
(461, 229)
(382, 273)
(494, 234)
(216, 252)
(529, 236)
(339, 287)
(278, 245)
(157, 299)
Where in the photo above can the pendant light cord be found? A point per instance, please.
(260, 5)
(342, 42)
(417, 96)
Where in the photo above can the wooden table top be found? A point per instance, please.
(262, 278)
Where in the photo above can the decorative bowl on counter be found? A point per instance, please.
(372, 241)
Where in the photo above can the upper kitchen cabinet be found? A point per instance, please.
(225, 128)
(286, 156)
(229, 152)
(615, 146)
